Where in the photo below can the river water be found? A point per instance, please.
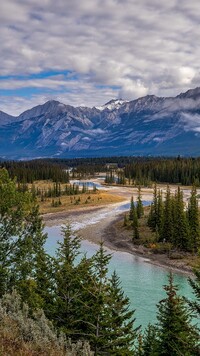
(142, 282)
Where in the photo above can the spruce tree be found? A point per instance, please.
(180, 225)
(132, 209)
(175, 333)
(67, 282)
(108, 319)
(149, 344)
(193, 219)
(195, 284)
(96, 314)
(150, 221)
(135, 226)
(153, 215)
(159, 218)
(139, 205)
(31, 261)
(167, 223)
(125, 219)
(20, 234)
(119, 326)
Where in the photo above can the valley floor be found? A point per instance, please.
(104, 223)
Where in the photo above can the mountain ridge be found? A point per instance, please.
(149, 125)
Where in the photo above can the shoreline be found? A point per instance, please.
(106, 230)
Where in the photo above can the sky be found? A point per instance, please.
(87, 52)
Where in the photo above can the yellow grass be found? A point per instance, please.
(78, 201)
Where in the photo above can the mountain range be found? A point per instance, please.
(149, 125)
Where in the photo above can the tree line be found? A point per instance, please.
(184, 171)
(143, 170)
(56, 190)
(30, 171)
(175, 222)
(132, 170)
(76, 293)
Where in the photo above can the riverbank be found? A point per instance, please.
(96, 225)
(117, 239)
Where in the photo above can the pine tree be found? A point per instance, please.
(160, 209)
(167, 223)
(67, 282)
(108, 319)
(19, 234)
(98, 289)
(135, 226)
(180, 225)
(195, 284)
(120, 334)
(125, 219)
(31, 273)
(149, 344)
(193, 219)
(153, 215)
(175, 333)
(45, 283)
(139, 206)
(150, 221)
(132, 209)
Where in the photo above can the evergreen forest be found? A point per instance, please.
(132, 170)
(68, 304)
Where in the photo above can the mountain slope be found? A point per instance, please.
(149, 126)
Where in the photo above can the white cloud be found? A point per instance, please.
(131, 89)
(139, 47)
(191, 122)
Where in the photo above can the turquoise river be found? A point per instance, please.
(142, 282)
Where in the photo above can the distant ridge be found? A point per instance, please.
(149, 125)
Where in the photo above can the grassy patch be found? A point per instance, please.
(77, 201)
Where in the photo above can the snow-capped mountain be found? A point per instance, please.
(112, 105)
(150, 125)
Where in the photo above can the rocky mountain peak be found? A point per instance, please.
(5, 118)
(190, 94)
(148, 125)
(112, 105)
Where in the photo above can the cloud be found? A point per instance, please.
(123, 48)
(191, 122)
(131, 89)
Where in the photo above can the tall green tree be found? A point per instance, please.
(195, 284)
(193, 219)
(180, 223)
(167, 223)
(120, 331)
(153, 215)
(98, 290)
(139, 205)
(175, 333)
(135, 225)
(149, 344)
(68, 284)
(132, 209)
(20, 237)
(109, 318)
